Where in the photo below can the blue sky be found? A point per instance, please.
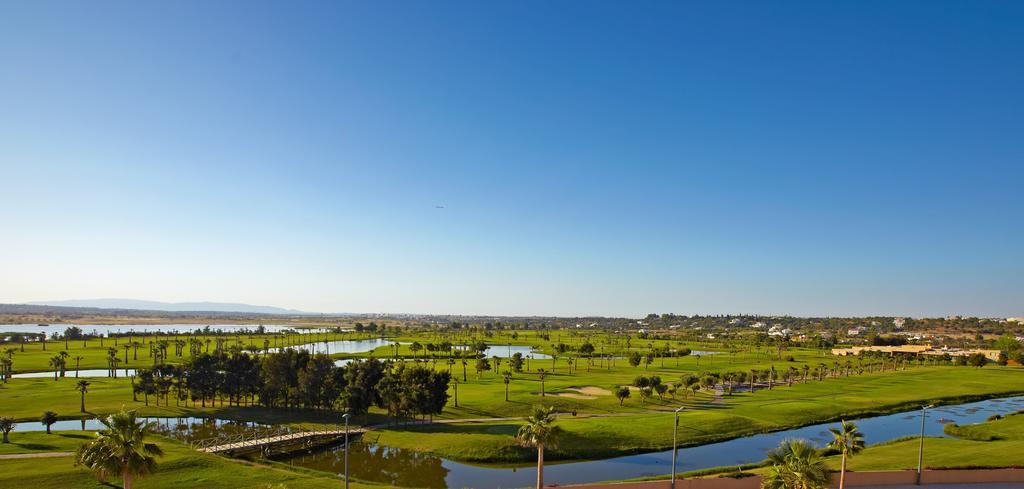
(809, 158)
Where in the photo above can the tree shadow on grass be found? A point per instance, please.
(36, 446)
(467, 429)
(75, 436)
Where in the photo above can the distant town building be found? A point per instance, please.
(917, 350)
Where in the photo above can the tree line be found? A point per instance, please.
(296, 379)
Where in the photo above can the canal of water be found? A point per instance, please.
(410, 468)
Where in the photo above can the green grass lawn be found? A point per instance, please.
(181, 467)
(997, 443)
(35, 356)
(1010, 427)
(39, 441)
(602, 428)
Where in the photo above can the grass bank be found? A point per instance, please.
(181, 468)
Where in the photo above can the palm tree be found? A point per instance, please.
(848, 441)
(507, 377)
(540, 432)
(48, 418)
(455, 385)
(8, 363)
(120, 449)
(6, 425)
(55, 362)
(796, 464)
(83, 387)
(541, 374)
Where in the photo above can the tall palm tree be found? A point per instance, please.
(848, 441)
(507, 377)
(796, 464)
(8, 363)
(541, 374)
(48, 418)
(540, 432)
(83, 387)
(120, 448)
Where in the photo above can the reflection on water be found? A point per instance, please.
(187, 429)
(395, 467)
(409, 468)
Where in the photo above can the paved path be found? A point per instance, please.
(36, 455)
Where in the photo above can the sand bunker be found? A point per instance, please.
(586, 392)
(574, 395)
(591, 391)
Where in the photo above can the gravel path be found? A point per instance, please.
(36, 455)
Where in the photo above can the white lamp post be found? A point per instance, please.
(675, 430)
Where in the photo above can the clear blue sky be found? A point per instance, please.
(809, 158)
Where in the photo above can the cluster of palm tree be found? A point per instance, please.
(796, 464)
(295, 379)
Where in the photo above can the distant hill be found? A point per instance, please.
(168, 306)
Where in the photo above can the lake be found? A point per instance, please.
(83, 373)
(342, 346)
(182, 328)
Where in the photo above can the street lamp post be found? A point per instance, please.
(675, 431)
(346, 416)
(920, 448)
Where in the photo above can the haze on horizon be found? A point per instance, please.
(803, 158)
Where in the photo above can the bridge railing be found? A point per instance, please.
(254, 438)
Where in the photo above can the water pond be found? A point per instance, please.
(182, 328)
